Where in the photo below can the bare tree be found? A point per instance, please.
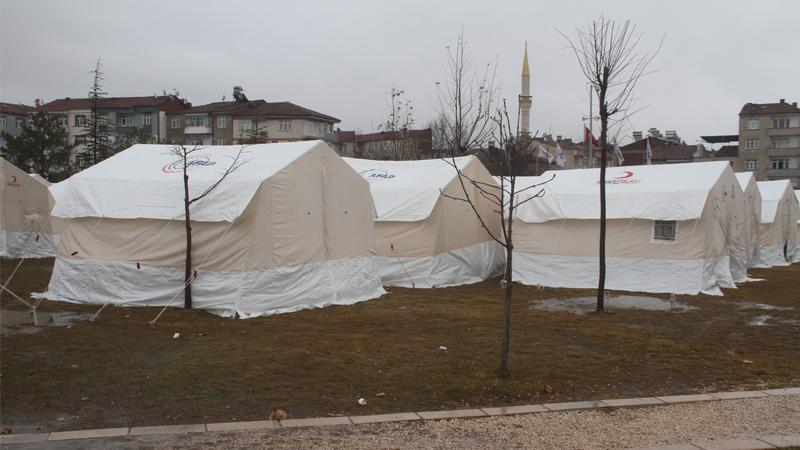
(608, 57)
(400, 145)
(466, 101)
(511, 159)
(184, 154)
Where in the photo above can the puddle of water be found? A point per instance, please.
(759, 321)
(21, 322)
(763, 306)
(582, 305)
(766, 320)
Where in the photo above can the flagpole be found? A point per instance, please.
(591, 132)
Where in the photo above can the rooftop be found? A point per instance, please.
(16, 108)
(756, 109)
(260, 108)
(162, 102)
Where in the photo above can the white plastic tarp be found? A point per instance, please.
(660, 192)
(406, 191)
(146, 181)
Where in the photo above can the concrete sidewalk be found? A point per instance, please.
(747, 419)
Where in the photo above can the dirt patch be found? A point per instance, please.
(119, 371)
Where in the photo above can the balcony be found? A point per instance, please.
(782, 173)
(197, 129)
(791, 151)
(791, 131)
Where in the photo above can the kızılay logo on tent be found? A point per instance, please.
(377, 173)
(625, 178)
(177, 166)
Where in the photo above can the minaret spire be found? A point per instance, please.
(525, 99)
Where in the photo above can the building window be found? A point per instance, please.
(286, 125)
(751, 144)
(3, 121)
(195, 141)
(147, 119)
(780, 142)
(79, 139)
(222, 122)
(780, 123)
(750, 164)
(664, 230)
(80, 121)
(125, 120)
(62, 121)
(219, 141)
(245, 125)
(175, 123)
(753, 124)
(779, 163)
(195, 121)
(20, 122)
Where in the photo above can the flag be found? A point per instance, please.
(544, 153)
(561, 159)
(618, 153)
(648, 153)
(588, 135)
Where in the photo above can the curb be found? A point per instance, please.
(761, 442)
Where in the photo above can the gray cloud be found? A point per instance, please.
(341, 58)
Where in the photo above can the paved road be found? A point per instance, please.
(610, 428)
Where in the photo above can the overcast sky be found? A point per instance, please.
(342, 57)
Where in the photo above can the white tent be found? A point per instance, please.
(671, 228)
(752, 216)
(291, 228)
(26, 230)
(797, 239)
(424, 237)
(779, 215)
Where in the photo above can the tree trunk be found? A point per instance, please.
(603, 109)
(505, 369)
(187, 289)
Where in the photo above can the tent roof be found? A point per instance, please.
(40, 179)
(656, 192)
(772, 192)
(407, 190)
(146, 181)
(744, 178)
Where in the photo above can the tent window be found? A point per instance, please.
(664, 230)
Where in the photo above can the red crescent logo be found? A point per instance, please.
(627, 174)
(13, 178)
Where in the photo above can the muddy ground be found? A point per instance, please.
(119, 371)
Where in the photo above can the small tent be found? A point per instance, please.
(290, 229)
(751, 202)
(26, 229)
(779, 215)
(424, 237)
(670, 228)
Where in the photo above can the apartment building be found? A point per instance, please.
(769, 141)
(242, 120)
(387, 145)
(126, 115)
(12, 118)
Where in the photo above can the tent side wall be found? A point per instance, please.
(778, 234)
(449, 247)
(25, 206)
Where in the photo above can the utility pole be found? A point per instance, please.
(591, 132)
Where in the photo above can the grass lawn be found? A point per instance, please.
(119, 371)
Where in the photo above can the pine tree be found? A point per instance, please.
(43, 147)
(97, 130)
